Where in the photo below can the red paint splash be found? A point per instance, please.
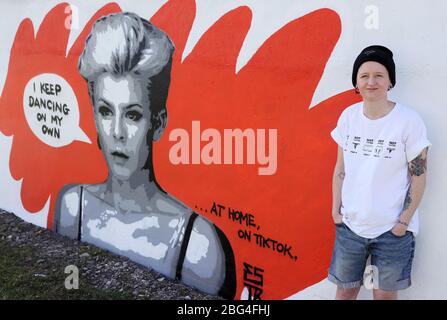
(44, 169)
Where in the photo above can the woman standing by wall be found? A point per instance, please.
(378, 182)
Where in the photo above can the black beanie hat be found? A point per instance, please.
(379, 54)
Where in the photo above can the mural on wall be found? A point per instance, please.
(215, 177)
(127, 64)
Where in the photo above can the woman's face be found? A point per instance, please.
(122, 117)
(373, 81)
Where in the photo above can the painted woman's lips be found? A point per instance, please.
(119, 154)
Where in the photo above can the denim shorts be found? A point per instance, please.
(391, 259)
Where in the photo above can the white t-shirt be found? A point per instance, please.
(376, 155)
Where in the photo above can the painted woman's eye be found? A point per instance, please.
(134, 115)
(104, 111)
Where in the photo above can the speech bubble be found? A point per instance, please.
(52, 110)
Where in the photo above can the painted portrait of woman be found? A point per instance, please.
(127, 65)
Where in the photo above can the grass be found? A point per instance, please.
(22, 278)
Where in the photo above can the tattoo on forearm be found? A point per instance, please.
(341, 175)
(418, 165)
(408, 200)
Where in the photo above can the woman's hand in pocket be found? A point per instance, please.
(337, 217)
(399, 230)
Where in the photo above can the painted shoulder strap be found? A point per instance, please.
(81, 207)
(181, 258)
(228, 289)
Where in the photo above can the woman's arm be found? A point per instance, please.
(337, 183)
(418, 172)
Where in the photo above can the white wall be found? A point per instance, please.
(414, 30)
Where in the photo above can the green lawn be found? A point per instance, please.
(22, 278)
